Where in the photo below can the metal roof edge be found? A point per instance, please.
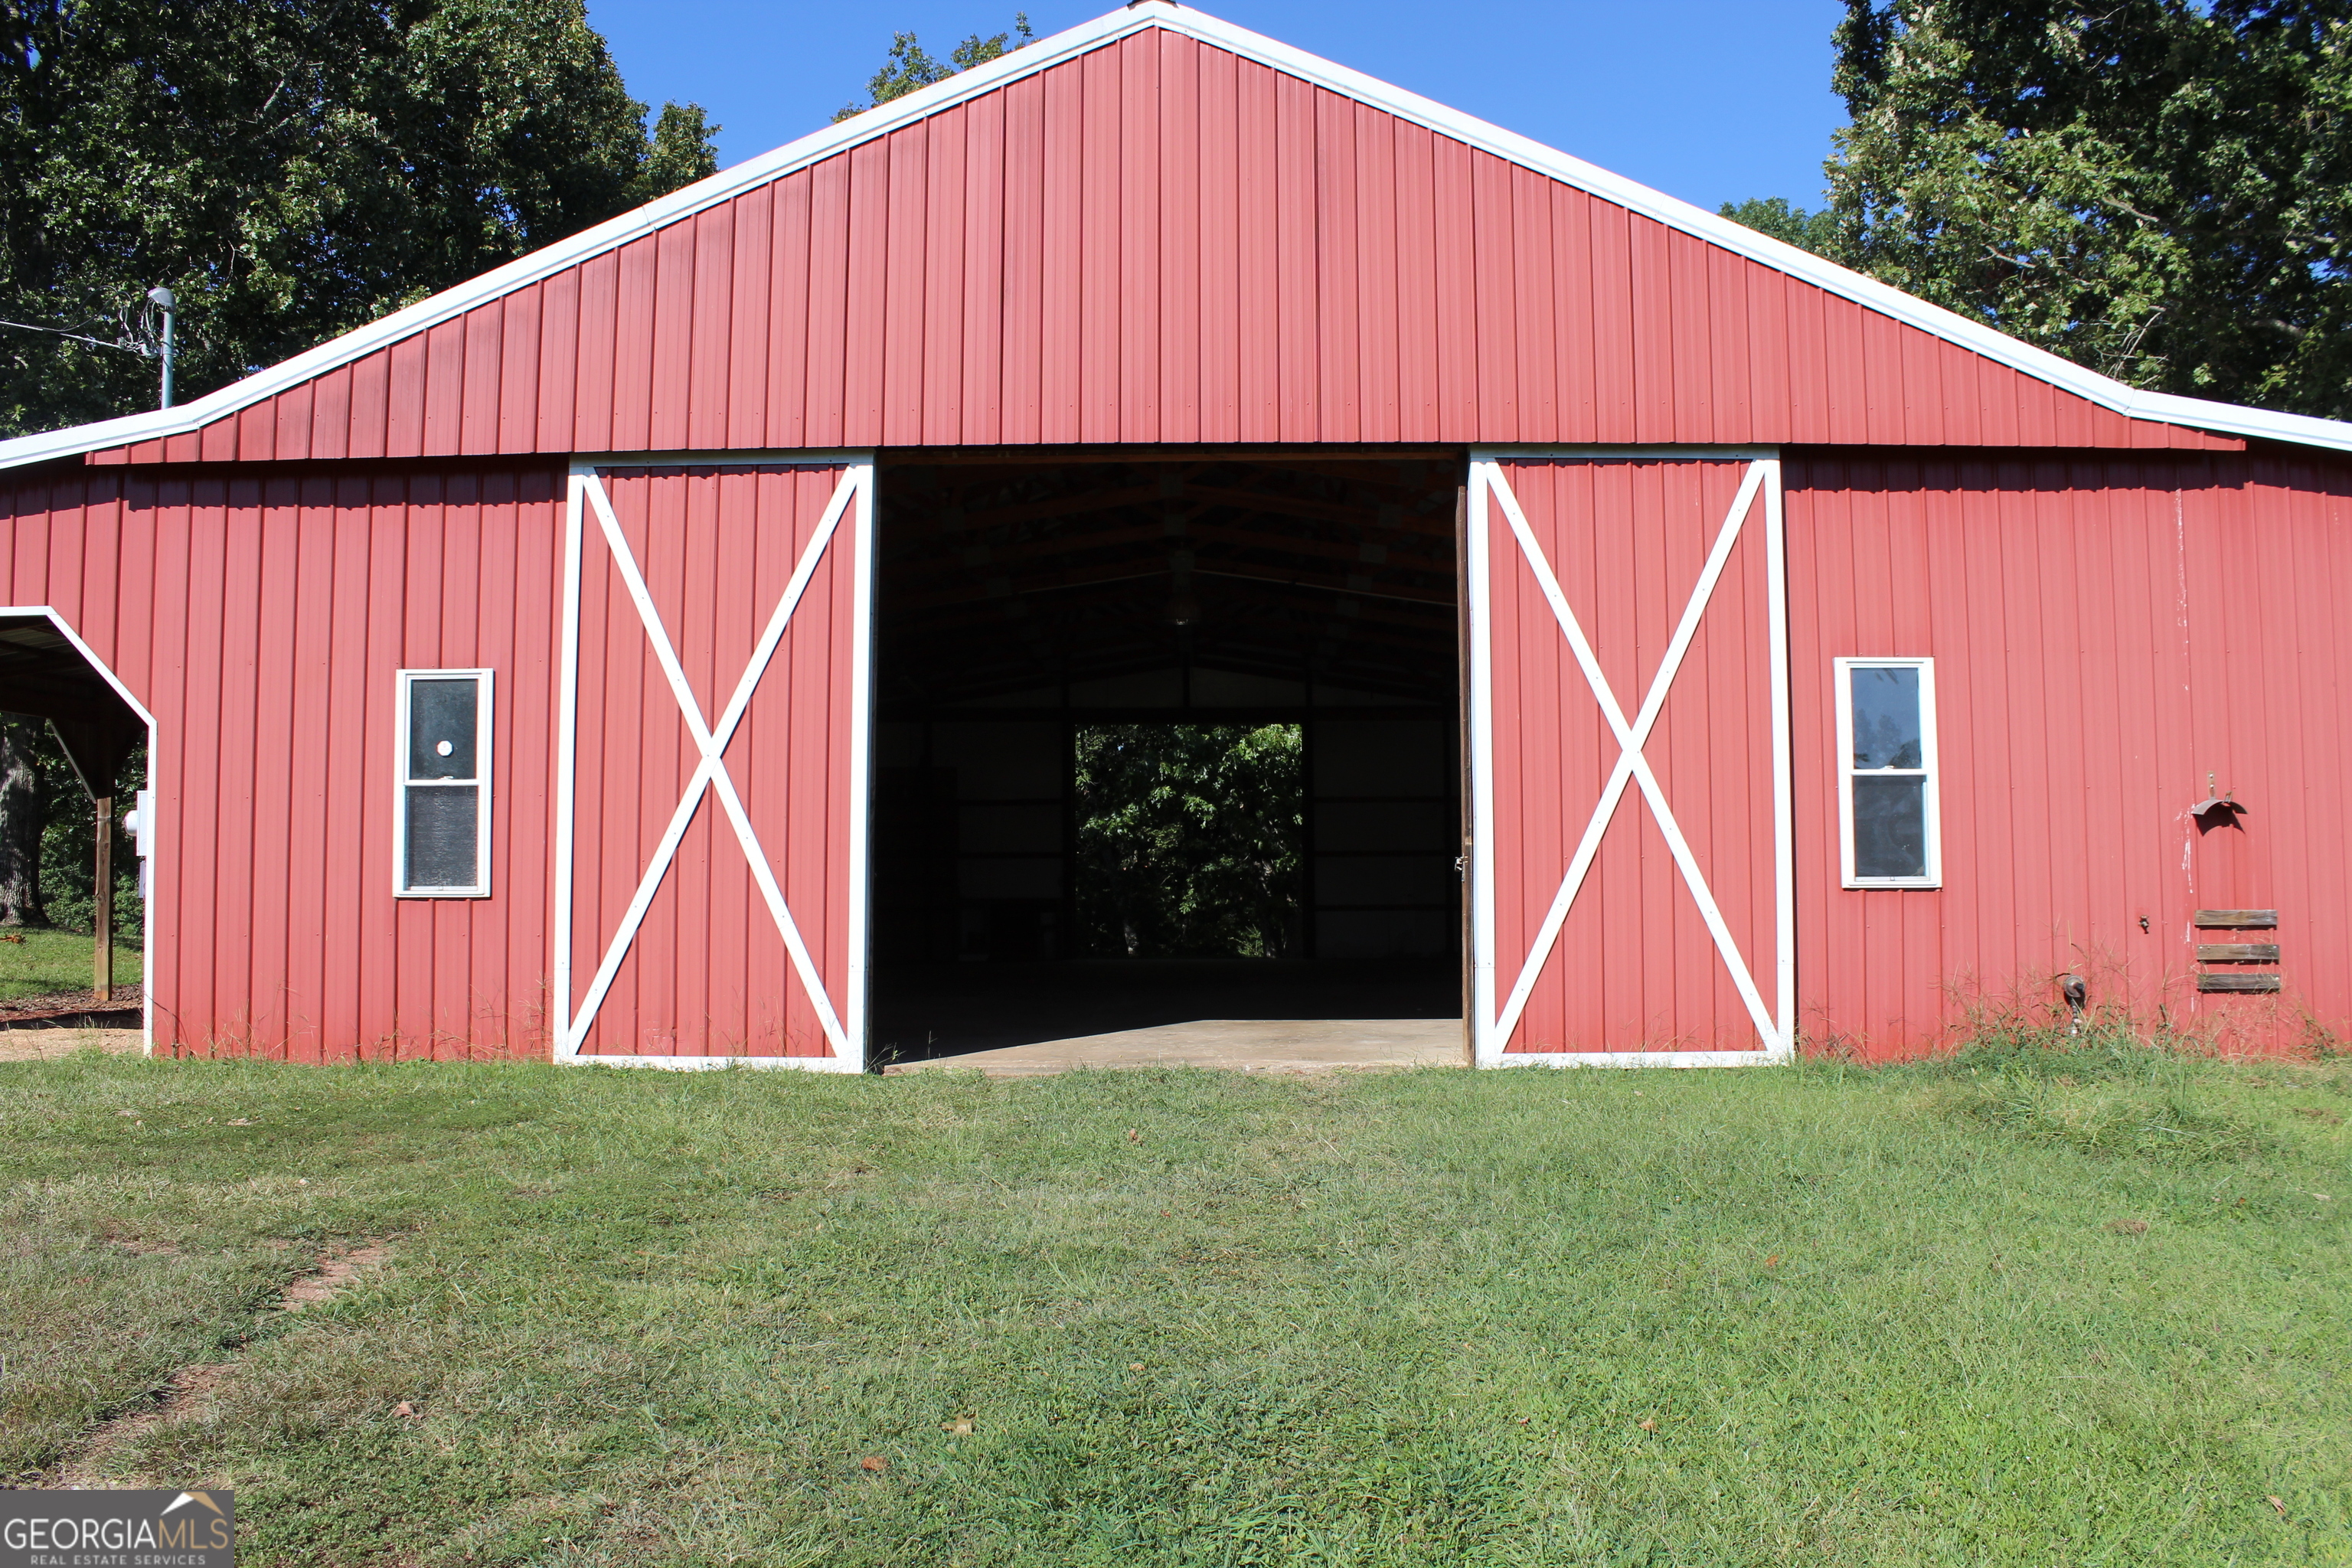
(1674, 213)
(610, 234)
(1975, 336)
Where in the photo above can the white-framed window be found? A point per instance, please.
(443, 817)
(1889, 831)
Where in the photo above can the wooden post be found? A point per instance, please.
(101, 960)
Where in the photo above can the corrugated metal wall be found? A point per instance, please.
(1633, 966)
(2106, 633)
(261, 621)
(1160, 242)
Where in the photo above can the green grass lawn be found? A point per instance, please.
(52, 960)
(1815, 1315)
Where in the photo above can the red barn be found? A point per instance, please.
(611, 657)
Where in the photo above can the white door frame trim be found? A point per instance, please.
(844, 1027)
(1495, 1018)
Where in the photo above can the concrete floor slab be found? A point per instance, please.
(1243, 1015)
(1237, 1044)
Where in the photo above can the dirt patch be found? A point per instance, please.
(91, 1467)
(334, 1275)
(46, 1045)
(190, 1388)
(81, 1001)
(78, 1009)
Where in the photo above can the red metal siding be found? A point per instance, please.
(1161, 242)
(1634, 967)
(261, 621)
(708, 973)
(2106, 633)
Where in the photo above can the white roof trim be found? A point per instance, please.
(2226, 417)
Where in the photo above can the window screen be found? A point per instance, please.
(445, 784)
(1886, 737)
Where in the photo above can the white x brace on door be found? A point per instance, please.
(716, 534)
(1671, 551)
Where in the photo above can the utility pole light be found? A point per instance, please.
(167, 301)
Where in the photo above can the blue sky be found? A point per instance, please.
(1707, 99)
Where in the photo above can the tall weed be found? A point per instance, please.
(2160, 1123)
(2108, 1090)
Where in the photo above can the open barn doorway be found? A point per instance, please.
(1167, 759)
(74, 763)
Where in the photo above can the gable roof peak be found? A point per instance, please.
(1135, 16)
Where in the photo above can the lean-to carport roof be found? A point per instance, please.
(1160, 228)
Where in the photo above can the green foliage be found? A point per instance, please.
(1816, 232)
(51, 963)
(292, 169)
(2101, 1120)
(60, 825)
(680, 153)
(2158, 189)
(908, 68)
(69, 843)
(2106, 1091)
(1189, 839)
(1424, 1319)
(910, 65)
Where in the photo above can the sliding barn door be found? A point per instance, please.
(1631, 876)
(710, 881)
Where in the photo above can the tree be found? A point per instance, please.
(48, 833)
(291, 169)
(1816, 232)
(20, 821)
(1189, 839)
(69, 838)
(908, 67)
(2155, 188)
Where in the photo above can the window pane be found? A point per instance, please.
(441, 728)
(441, 821)
(1890, 826)
(1887, 719)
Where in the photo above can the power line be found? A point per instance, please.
(79, 338)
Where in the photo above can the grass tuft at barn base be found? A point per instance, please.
(1982, 1310)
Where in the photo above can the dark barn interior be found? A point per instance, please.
(1024, 605)
(44, 676)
